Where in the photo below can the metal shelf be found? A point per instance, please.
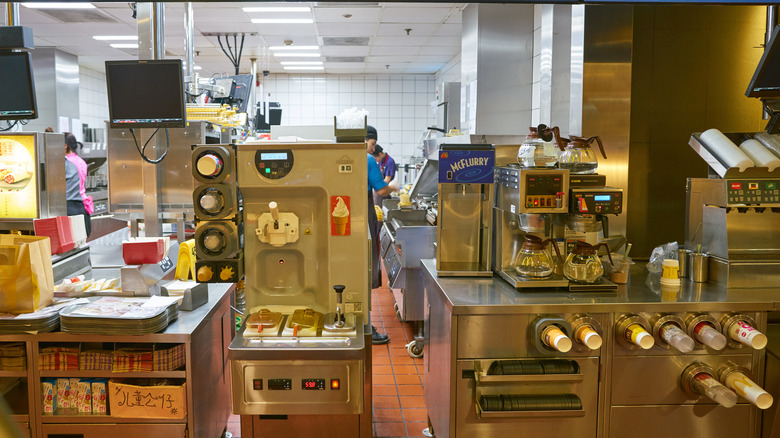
(109, 374)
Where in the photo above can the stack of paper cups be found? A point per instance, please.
(769, 141)
(725, 150)
(760, 155)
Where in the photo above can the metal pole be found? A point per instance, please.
(771, 21)
(189, 39)
(251, 108)
(12, 14)
(151, 45)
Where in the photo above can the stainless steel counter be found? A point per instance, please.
(474, 324)
(494, 295)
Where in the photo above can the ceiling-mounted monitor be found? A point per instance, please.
(766, 79)
(146, 94)
(17, 87)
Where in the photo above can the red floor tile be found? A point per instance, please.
(380, 359)
(411, 401)
(384, 379)
(402, 360)
(383, 369)
(404, 369)
(387, 415)
(410, 390)
(416, 414)
(386, 402)
(415, 428)
(384, 430)
(385, 390)
(406, 379)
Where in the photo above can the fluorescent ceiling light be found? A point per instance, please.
(197, 67)
(282, 20)
(116, 37)
(297, 55)
(301, 62)
(125, 45)
(294, 48)
(304, 68)
(59, 5)
(278, 9)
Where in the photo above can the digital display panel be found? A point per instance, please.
(273, 156)
(17, 88)
(312, 384)
(146, 94)
(602, 198)
(279, 384)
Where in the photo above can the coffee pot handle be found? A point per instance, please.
(555, 247)
(609, 255)
(601, 146)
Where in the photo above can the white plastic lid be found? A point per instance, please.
(645, 340)
(562, 343)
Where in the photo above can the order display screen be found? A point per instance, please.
(273, 156)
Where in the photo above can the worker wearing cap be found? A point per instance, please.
(376, 183)
(386, 165)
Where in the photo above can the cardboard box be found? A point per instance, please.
(58, 230)
(130, 401)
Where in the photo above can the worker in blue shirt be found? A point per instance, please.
(376, 183)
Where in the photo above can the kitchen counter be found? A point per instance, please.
(475, 295)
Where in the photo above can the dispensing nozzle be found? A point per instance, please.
(339, 288)
(274, 213)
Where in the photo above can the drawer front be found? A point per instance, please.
(709, 421)
(128, 430)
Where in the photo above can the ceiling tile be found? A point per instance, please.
(394, 50)
(400, 41)
(437, 59)
(298, 40)
(336, 15)
(414, 15)
(221, 15)
(290, 30)
(445, 41)
(433, 50)
(339, 29)
(345, 50)
(387, 59)
(449, 30)
(400, 30)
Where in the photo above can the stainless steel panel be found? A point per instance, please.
(464, 229)
(439, 361)
(688, 420)
(734, 234)
(56, 88)
(348, 399)
(546, 52)
(771, 417)
(744, 274)
(562, 81)
(645, 380)
(469, 425)
(125, 177)
(427, 181)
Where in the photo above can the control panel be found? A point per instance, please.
(597, 200)
(533, 190)
(274, 164)
(758, 191)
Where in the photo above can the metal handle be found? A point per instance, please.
(274, 211)
(601, 146)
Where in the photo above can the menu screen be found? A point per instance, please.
(18, 182)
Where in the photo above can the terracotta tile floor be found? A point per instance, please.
(399, 407)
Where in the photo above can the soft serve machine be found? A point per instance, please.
(292, 218)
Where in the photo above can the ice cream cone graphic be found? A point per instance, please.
(340, 216)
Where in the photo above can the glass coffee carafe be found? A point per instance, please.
(579, 157)
(536, 150)
(583, 264)
(533, 260)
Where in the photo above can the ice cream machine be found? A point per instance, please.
(292, 219)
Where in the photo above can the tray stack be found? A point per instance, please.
(120, 316)
(41, 321)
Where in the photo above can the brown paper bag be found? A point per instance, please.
(26, 278)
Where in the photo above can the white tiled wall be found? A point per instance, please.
(398, 105)
(93, 98)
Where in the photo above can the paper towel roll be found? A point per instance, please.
(760, 155)
(725, 150)
(771, 142)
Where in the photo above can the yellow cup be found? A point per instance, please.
(671, 269)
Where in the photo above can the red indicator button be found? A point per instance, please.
(736, 186)
(536, 202)
(257, 384)
(753, 186)
(335, 384)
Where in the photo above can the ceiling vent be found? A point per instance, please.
(345, 59)
(345, 41)
(79, 15)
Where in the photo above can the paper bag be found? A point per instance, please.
(26, 278)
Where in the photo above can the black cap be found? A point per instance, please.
(377, 150)
(370, 133)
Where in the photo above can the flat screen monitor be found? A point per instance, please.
(766, 79)
(239, 93)
(274, 116)
(146, 94)
(17, 87)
